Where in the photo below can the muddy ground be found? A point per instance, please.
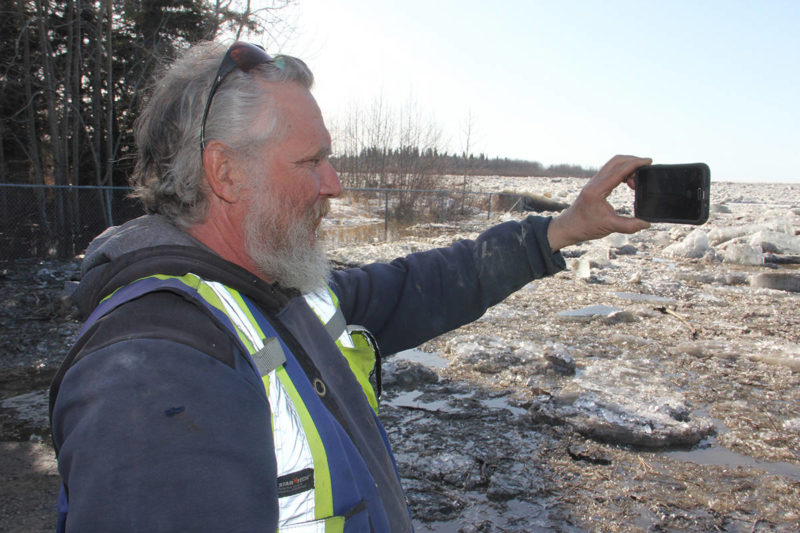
(674, 410)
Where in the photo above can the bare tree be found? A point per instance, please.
(467, 157)
(243, 18)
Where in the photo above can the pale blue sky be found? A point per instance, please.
(574, 81)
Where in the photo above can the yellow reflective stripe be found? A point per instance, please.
(157, 276)
(239, 315)
(361, 360)
(357, 351)
(323, 492)
(196, 282)
(335, 524)
(333, 295)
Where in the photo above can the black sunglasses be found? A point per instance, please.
(241, 55)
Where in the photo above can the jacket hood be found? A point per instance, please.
(151, 245)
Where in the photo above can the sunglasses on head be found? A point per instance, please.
(241, 55)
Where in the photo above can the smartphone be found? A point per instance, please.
(673, 193)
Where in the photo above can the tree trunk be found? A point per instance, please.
(34, 151)
(51, 99)
(109, 111)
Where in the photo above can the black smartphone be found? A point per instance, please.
(673, 193)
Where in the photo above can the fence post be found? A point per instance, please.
(386, 215)
(489, 210)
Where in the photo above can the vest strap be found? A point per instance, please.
(270, 357)
(337, 324)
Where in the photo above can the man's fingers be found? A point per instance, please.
(620, 168)
(629, 225)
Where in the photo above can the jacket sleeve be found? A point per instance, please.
(413, 299)
(155, 435)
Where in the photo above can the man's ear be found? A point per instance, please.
(220, 169)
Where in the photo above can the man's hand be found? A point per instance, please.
(591, 216)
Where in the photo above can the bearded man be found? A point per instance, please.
(225, 379)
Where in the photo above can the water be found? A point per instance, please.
(720, 456)
(343, 235)
(430, 360)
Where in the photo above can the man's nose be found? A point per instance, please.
(330, 185)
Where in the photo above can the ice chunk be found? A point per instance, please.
(627, 404)
(742, 254)
(582, 268)
(694, 245)
(650, 298)
(776, 242)
(782, 281)
(587, 313)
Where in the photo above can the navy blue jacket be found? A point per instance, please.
(133, 460)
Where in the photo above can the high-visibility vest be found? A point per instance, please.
(305, 484)
(355, 342)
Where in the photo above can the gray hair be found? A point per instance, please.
(169, 177)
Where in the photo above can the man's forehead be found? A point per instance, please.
(292, 96)
(300, 128)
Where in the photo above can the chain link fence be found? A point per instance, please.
(41, 221)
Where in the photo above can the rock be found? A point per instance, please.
(620, 317)
(559, 359)
(587, 452)
(403, 374)
(627, 249)
(693, 245)
(742, 254)
(782, 281)
(775, 242)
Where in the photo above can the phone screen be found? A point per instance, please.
(673, 193)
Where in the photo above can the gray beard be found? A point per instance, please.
(282, 246)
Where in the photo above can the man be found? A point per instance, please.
(215, 386)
